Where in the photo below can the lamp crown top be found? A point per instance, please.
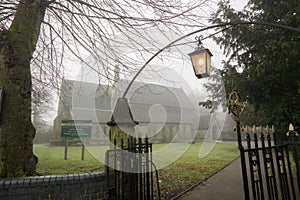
(291, 127)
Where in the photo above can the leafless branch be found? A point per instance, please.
(103, 31)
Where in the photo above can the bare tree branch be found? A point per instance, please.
(74, 28)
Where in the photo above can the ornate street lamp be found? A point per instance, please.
(201, 60)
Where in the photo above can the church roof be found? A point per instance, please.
(148, 102)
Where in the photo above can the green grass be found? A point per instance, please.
(190, 169)
(184, 172)
(51, 161)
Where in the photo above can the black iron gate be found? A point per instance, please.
(131, 174)
(270, 170)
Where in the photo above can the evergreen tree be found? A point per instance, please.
(263, 61)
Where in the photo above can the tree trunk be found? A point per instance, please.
(17, 132)
(17, 45)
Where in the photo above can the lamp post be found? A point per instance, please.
(236, 106)
(201, 60)
(121, 135)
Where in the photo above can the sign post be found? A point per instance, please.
(76, 129)
(66, 148)
(82, 149)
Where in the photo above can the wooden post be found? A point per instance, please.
(82, 150)
(66, 148)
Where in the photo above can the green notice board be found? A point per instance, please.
(76, 128)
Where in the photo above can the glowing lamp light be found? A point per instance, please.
(201, 60)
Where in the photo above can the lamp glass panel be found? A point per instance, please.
(199, 63)
(208, 64)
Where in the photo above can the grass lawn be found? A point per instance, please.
(184, 172)
(190, 169)
(51, 161)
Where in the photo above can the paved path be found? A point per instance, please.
(225, 185)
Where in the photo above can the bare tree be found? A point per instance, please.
(37, 36)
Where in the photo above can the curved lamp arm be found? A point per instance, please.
(230, 24)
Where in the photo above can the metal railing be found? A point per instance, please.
(130, 171)
(270, 172)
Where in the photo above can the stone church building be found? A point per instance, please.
(164, 113)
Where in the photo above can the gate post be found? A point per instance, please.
(121, 138)
(236, 107)
(243, 160)
(293, 135)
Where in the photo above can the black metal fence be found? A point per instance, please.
(270, 170)
(131, 174)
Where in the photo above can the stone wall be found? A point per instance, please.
(66, 187)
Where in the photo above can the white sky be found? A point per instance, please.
(217, 52)
(238, 4)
